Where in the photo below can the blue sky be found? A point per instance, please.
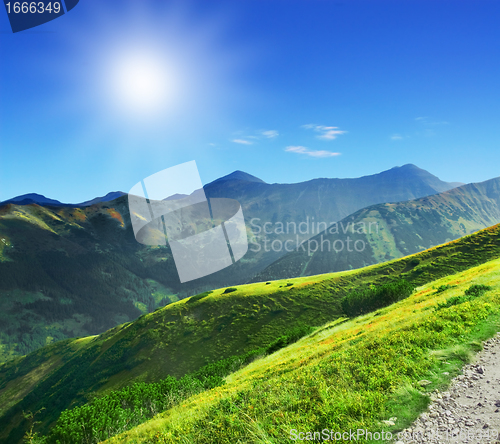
(115, 91)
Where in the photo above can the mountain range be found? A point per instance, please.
(39, 199)
(184, 336)
(387, 231)
(69, 271)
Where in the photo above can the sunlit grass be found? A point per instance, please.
(345, 375)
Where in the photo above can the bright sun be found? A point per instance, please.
(140, 83)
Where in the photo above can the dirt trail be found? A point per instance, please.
(469, 412)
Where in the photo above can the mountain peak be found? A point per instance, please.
(414, 171)
(239, 175)
(409, 166)
(110, 196)
(32, 198)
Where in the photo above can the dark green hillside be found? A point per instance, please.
(69, 271)
(387, 231)
(184, 336)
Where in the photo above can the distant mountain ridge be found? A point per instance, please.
(397, 175)
(397, 184)
(32, 198)
(39, 199)
(112, 195)
(393, 230)
(78, 270)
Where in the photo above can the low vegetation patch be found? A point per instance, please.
(121, 410)
(189, 334)
(351, 376)
(197, 297)
(365, 301)
(471, 293)
(443, 288)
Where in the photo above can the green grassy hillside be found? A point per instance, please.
(188, 334)
(68, 271)
(342, 377)
(387, 231)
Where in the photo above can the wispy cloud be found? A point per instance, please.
(311, 153)
(429, 121)
(242, 141)
(270, 134)
(244, 138)
(397, 137)
(325, 132)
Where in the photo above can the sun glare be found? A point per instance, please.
(141, 84)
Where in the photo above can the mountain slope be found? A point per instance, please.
(67, 272)
(33, 198)
(266, 206)
(375, 373)
(70, 271)
(112, 195)
(183, 336)
(388, 231)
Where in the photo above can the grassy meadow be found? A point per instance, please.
(348, 374)
(345, 373)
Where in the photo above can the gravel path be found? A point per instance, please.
(469, 412)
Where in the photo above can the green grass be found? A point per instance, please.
(344, 376)
(471, 293)
(123, 409)
(186, 335)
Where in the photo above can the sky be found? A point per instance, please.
(117, 90)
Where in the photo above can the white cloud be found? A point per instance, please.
(329, 132)
(270, 134)
(396, 137)
(311, 153)
(245, 139)
(428, 121)
(242, 141)
(326, 132)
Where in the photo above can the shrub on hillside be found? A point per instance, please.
(123, 409)
(442, 288)
(197, 297)
(477, 290)
(364, 301)
(288, 338)
(473, 292)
